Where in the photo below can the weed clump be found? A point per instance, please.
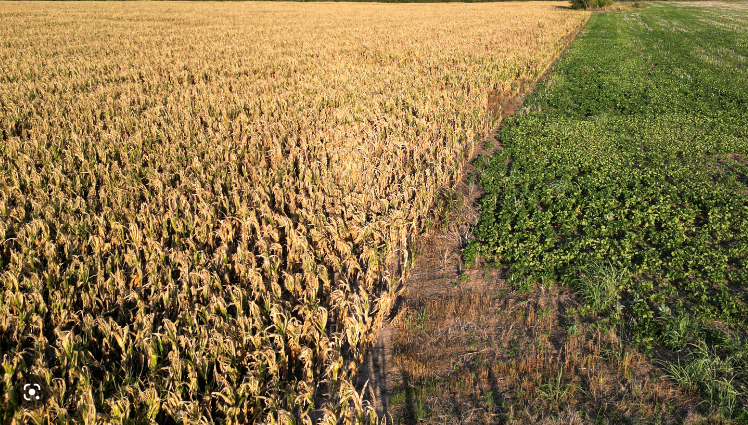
(599, 285)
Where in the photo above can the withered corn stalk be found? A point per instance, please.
(199, 203)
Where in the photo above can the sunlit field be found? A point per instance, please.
(205, 208)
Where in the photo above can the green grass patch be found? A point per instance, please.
(625, 177)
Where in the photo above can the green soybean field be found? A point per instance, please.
(625, 177)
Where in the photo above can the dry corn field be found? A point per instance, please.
(201, 203)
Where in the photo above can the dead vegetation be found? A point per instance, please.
(199, 202)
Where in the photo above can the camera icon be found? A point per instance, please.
(31, 391)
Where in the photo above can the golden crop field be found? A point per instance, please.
(200, 202)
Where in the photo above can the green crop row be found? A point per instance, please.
(625, 177)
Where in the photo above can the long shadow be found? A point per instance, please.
(496, 398)
(378, 378)
(409, 414)
(381, 359)
(374, 370)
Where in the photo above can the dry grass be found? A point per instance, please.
(199, 203)
(485, 355)
(617, 7)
